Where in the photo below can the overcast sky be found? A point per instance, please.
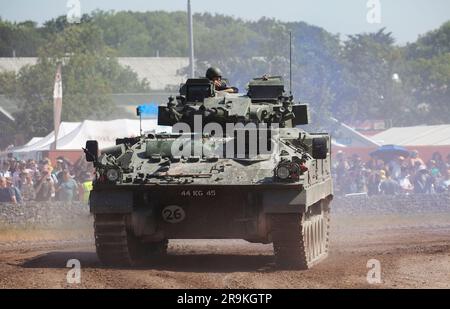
(405, 18)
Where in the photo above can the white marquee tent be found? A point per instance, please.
(438, 135)
(34, 140)
(106, 132)
(46, 142)
(73, 135)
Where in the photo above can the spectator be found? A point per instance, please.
(341, 166)
(405, 181)
(47, 165)
(86, 186)
(57, 172)
(16, 175)
(13, 166)
(382, 175)
(358, 176)
(45, 186)
(415, 160)
(373, 183)
(26, 186)
(389, 186)
(395, 167)
(434, 170)
(7, 195)
(439, 163)
(423, 182)
(351, 176)
(33, 168)
(17, 193)
(446, 181)
(68, 188)
(5, 171)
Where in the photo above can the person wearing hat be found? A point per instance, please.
(423, 182)
(215, 76)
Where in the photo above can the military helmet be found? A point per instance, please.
(213, 72)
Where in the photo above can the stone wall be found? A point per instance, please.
(400, 204)
(34, 214)
(59, 214)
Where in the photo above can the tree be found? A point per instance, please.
(7, 82)
(365, 76)
(429, 80)
(19, 39)
(90, 74)
(427, 73)
(432, 44)
(371, 62)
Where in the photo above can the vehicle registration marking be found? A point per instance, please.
(198, 193)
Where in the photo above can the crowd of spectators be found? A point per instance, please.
(398, 175)
(22, 181)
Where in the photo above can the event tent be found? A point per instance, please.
(45, 143)
(347, 137)
(34, 140)
(73, 135)
(438, 135)
(106, 132)
(427, 140)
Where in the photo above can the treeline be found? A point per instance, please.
(364, 76)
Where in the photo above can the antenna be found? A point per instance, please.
(191, 41)
(140, 124)
(290, 62)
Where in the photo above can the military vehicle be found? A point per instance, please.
(212, 184)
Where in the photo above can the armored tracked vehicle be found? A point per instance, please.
(235, 166)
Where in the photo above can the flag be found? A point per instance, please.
(149, 110)
(57, 103)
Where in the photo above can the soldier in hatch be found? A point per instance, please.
(215, 75)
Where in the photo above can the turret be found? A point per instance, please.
(265, 102)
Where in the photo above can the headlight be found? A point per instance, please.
(283, 172)
(288, 170)
(112, 175)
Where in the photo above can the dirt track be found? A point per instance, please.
(412, 255)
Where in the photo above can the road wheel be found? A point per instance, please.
(300, 240)
(116, 245)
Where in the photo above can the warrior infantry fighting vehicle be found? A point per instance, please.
(211, 178)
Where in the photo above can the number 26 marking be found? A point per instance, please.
(173, 214)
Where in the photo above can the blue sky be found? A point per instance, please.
(405, 18)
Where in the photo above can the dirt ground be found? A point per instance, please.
(413, 251)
